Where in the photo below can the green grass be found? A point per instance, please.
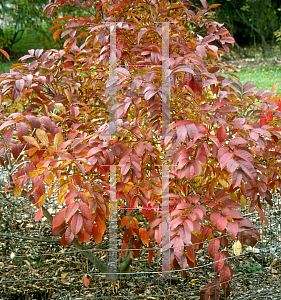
(5, 66)
(263, 77)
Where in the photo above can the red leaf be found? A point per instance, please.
(227, 39)
(16, 150)
(232, 229)
(221, 223)
(185, 235)
(59, 229)
(234, 214)
(244, 155)
(59, 218)
(236, 178)
(38, 215)
(22, 130)
(33, 121)
(149, 94)
(225, 273)
(207, 39)
(181, 133)
(71, 210)
(188, 225)
(204, 3)
(238, 141)
(232, 165)
(175, 223)
(218, 261)
(68, 236)
(76, 223)
(88, 225)
(221, 133)
(213, 247)
(178, 246)
(85, 210)
(248, 169)
(238, 122)
(225, 159)
(86, 281)
(189, 171)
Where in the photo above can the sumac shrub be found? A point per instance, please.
(68, 117)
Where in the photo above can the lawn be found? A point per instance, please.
(263, 76)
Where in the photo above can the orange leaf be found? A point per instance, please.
(17, 190)
(86, 281)
(49, 179)
(96, 235)
(101, 226)
(31, 141)
(144, 236)
(41, 200)
(124, 221)
(5, 53)
(55, 26)
(56, 34)
(134, 223)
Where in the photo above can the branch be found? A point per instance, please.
(39, 239)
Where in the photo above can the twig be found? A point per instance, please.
(39, 239)
(10, 166)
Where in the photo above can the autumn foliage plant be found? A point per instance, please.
(220, 150)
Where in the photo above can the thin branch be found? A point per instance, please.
(23, 237)
(10, 165)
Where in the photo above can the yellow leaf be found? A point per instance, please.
(42, 200)
(68, 95)
(49, 179)
(17, 190)
(62, 192)
(237, 248)
(128, 187)
(58, 140)
(50, 191)
(242, 201)
(61, 107)
(31, 141)
(43, 137)
(63, 275)
(41, 170)
(57, 117)
(32, 174)
(134, 223)
(65, 164)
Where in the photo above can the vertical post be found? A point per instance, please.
(113, 226)
(165, 79)
(112, 130)
(166, 261)
(112, 78)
